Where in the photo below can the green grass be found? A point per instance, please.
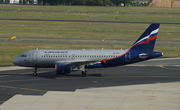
(69, 30)
(75, 30)
(133, 14)
(147, 14)
(89, 8)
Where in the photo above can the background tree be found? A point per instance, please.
(117, 2)
(98, 2)
(82, 2)
(126, 1)
(106, 2)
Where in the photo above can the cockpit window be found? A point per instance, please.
(23, 55)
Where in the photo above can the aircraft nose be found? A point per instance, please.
(15, 61)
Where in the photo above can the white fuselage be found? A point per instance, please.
(48, 58)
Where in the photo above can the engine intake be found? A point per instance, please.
(62, 69)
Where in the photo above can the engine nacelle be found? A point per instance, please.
(62, 69)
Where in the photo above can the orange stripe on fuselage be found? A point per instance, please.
(56, 69)
(145, 42)
(112, 58)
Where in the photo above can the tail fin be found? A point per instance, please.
(147, 39)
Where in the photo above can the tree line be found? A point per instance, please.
(84, 2)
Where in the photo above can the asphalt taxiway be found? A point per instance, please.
(16, 82)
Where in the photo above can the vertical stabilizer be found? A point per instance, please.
(147, 39)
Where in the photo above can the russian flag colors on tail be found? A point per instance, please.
(147, 39)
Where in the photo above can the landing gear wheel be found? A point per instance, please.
(35, 71)
(84, 74)
(35, 74)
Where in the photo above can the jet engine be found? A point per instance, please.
(62, 69)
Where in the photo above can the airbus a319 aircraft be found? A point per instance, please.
(66, 61)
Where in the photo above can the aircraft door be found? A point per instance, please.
(73, 56)
(127, 56)
(34, 56)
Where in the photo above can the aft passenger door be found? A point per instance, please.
(127, 56)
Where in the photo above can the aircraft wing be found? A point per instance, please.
(77, 62)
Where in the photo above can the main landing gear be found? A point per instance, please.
(35, 71)
(84, 73)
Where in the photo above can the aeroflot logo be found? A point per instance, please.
(56, 52)
(151, 36)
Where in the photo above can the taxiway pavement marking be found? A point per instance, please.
(4, 76)
(22, 80)
(32, 72)
(9, 87)
(33, 89)
(162, 66)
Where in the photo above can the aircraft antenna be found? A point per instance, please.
(37, 49)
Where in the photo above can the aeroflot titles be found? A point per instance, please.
(67, 52)
(56, 52)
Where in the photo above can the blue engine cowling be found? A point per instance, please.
(62, 69)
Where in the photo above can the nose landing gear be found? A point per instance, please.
(35, 71)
